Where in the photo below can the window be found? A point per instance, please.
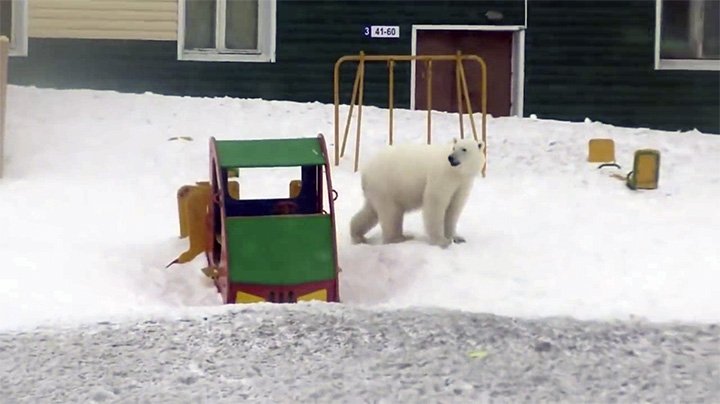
(687, 35)
(13, 23)
(226, 30)
(266, 182)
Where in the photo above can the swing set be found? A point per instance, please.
(357, 95)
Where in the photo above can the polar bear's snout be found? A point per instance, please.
(453, 161)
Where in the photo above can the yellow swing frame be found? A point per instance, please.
(357, 96)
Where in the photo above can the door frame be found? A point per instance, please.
(517, 64)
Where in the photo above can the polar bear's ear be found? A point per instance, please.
(454, 140)
(480, 145)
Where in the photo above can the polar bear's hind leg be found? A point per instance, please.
(391, 221)
(364, 220)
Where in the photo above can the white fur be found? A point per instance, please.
(406, 177)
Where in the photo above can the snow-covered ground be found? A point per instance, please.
(88, 214)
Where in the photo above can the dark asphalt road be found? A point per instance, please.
(322, 353)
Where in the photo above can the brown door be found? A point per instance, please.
(494, 47)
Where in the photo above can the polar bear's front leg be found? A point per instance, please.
(434, 206)
(457, 203)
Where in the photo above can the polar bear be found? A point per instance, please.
(407, 177)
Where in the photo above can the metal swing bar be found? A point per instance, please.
(357, 95)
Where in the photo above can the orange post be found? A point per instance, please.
(467, 99)
(352, 104)
(458, 91)
(391, 93)
(429, 100)
(360, 102)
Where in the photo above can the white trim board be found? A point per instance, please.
(267, 37)
(19, 27)
(442, 27)
(677, 64)
(517, 64)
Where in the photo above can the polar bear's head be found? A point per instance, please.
(468, 156)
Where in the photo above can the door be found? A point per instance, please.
(494, 47)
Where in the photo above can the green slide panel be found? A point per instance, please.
(280, 250)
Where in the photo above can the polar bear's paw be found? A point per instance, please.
(359, 240)
(443, 242)
(398, 239)
(458, 239)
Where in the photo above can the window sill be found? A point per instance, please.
(687, 64)
(226, 57)
(17, 53)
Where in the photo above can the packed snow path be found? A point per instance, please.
(89, 201)
(329, 353)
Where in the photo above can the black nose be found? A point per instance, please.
(452, 161)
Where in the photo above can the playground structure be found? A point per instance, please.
(646, 163)
(357, 96)
(280, 250)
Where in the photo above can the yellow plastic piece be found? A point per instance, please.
(316, 295)
(211, 272)
(182, 197)
(601, 150)
(234, 189)
(646, 170)
(295, 187)
(242, 297)
(193, 204)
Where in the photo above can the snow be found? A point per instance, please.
(88, 214)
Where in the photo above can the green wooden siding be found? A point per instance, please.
(311, 36)
(596, 59)
(583, 59)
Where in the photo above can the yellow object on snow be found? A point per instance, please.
(193, 204)
(646, 170)
(601, 151)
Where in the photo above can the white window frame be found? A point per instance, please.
(267, 22)
(677, 64)
(517, 64)
(18, 33)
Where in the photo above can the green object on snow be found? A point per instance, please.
(479, 354)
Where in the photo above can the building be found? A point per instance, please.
(646, 63)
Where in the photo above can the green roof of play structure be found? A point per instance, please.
(269, 153)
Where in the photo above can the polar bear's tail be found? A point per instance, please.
(364, 220)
